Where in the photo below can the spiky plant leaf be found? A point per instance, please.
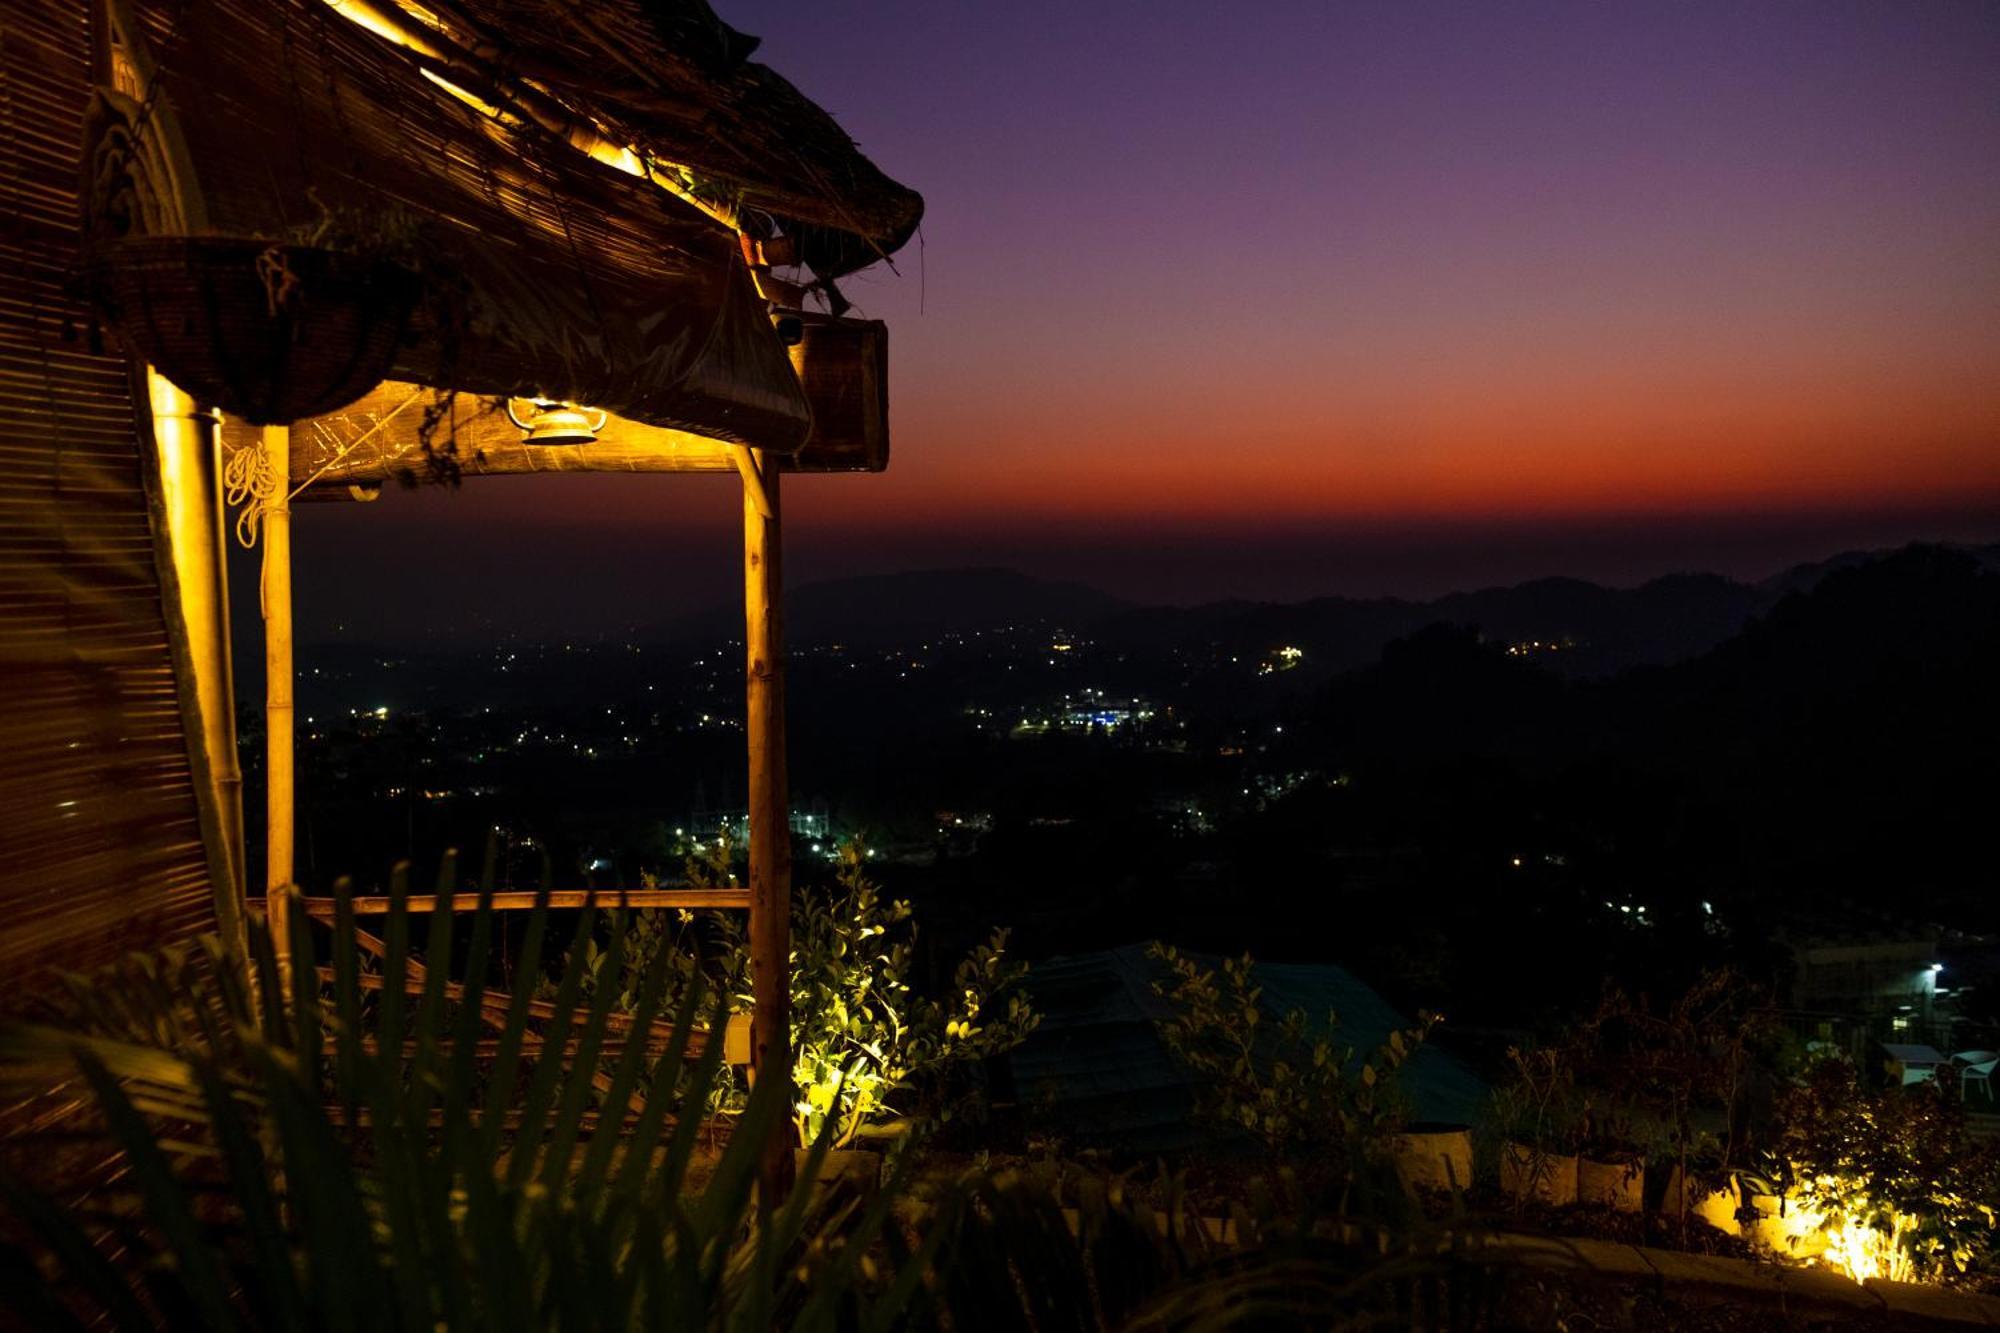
(263, 1182)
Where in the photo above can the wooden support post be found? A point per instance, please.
(189, 519)
(279, 801)
(770, 821)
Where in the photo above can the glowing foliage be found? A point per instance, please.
(866, 1046)
(1885, 1183)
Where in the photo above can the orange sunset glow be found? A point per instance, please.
(1725, 279)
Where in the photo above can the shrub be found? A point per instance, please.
(1889, 1176)
(1537, 1106)
(1287, 1082)
(1672, 1081)
(867, 1048)
(863, 1039)
(236, 1154)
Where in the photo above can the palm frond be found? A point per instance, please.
(327, 1155)
(337, 1157)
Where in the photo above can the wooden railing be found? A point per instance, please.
(619, 1030)
(522, 900)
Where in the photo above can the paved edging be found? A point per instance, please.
(1714, 1277)
(1709, 1278)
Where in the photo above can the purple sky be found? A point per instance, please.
(1283, 298)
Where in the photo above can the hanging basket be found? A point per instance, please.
(269, 333)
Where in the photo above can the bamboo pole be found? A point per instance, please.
(280, 804)
(188, 446)
(770, 824)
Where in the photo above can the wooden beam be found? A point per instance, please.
(770, 822)
(535, 1046)
(718, 1128)
(522, 900)
(842, 364)
(279, 800)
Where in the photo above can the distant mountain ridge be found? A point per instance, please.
(893, 608)
(1832, 762)
(1597, 629)
(1806, 577)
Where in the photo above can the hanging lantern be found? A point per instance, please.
(556, 423)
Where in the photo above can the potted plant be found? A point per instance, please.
(1667, 1084)
(1699, 1184)
(1611, 1161)
(271, 330)
(1535, 1115)
(276, 328)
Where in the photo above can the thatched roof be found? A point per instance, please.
(445, 139)
(670, 75)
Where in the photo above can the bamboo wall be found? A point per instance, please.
(101, 846)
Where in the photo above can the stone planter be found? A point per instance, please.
(1532, 1173)
(1618, 1184)
(1434, 1158)
(1783, 1227)
(1717, 1207)
(1771, 1225)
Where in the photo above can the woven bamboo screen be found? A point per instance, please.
(100, 844)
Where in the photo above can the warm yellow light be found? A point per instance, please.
(473, 100)
(1826, 1237)
(587, 138)
(371, 17)
(616, 155)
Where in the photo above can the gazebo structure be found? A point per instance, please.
(283, 250)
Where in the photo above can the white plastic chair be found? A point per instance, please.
(1976, 1067)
